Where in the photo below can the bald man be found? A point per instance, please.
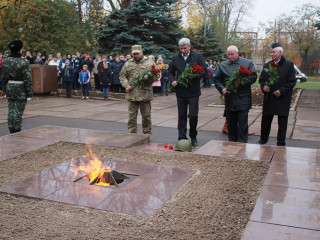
(238, 104)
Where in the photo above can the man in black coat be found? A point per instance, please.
(237, 104)
(187, 96)
(277, 97)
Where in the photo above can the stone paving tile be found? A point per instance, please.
(172, 123)
(69, 114)
(237, 150)
(13, 145)
(158, 148)
(78, 135)
(263, 231)
(306, 133)
(293, 176)
(35, 186)
(308, 114)
(308, 123)
(292, 155)
(215, 125)
(108, 116)
(81, 195)
(288, 207)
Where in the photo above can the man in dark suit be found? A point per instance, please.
(237, 104)
(187, 96)
(277, 96)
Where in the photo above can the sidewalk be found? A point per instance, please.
(303, 127)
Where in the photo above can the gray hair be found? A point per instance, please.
(279, 49)
(184, 41)
(234, 48)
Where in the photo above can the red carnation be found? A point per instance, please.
(165, 145)
(171, 147)
(274, 64)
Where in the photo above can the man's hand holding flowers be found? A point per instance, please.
(273, 78)
(237, 78)
(189, 73)
(148, 76)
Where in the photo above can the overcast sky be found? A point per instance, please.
(265, 10)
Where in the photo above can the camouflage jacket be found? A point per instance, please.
(17, 69)
(129, 71)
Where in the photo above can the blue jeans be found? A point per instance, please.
(85, 90)
(165, 85)
(106, 93)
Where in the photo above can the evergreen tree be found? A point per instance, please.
(208, 45)
(152, 24)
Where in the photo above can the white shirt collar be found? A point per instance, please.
(186, 56)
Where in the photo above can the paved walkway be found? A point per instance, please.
(303, 127)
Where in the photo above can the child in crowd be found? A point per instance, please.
(165, 80)
(105, 80)
(84, 80)
(67, 76)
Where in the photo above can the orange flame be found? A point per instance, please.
(94, 169)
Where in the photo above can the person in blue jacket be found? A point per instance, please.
(84, 80)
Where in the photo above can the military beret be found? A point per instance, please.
(16, 45)
(274, 45)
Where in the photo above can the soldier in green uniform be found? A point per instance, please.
(16, 84)
(137, 97)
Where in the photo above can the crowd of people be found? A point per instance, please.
(277, 81)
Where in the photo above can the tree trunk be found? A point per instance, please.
(79, 10)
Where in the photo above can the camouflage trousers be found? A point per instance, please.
(15, 111)
(145, 109)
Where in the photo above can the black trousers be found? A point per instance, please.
(183, 115)
(282, 128)
(97, 82)
(68, 88)
(237, 126)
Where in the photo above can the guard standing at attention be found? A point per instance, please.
(16, 84)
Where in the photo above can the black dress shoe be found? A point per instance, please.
(194, 143)
(261, 142)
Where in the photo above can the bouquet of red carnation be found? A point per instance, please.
(148, 76)
(189, 73)
(237, 79)
(273, 74)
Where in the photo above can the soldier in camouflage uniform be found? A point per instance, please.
(16, 84)
(136, 96)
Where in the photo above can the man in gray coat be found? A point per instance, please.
(237, 104)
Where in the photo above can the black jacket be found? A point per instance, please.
(241, 100)
(116, 68)
(178, 65)
(105, 77)
(67, 74)
(273, 105)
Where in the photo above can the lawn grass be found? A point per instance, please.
(313, 78)
(312, 83)
(308, 85)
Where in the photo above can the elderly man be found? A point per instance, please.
(238, 103)
(137, 97)
(278, 94)
(187, 96)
